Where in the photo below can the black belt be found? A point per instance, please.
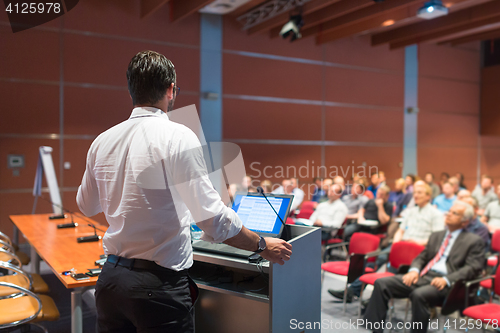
(141, 264)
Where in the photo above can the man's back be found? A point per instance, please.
(137, 166)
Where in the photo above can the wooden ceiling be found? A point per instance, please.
(392, 22)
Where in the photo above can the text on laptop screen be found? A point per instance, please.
(257, 215)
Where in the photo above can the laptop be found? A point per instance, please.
(257, 215)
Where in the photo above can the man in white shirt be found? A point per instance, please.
(291, 186)
(484, 193)
(330, 214)
(144, 285)
(491, 215)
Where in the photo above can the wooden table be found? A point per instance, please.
(60, 250)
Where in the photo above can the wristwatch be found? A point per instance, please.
(262, 245)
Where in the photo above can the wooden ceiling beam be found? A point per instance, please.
(445, 32)
(367, 13)
(484, 35)
(281, 19)
(148, 7)
(246, 7)
(372, 23)
(451, 20)
(180, 9)
(336, 9)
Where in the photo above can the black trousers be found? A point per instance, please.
(144, 300)
(423, 296)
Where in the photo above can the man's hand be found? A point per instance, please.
(410, 278)
(318, 223)
(439, 283)
(379, 201)
(277, 250)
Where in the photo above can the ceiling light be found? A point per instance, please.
(388, 23)
(292, 28)
(432, 9)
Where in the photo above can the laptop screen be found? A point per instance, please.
(258, 216)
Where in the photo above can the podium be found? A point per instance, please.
(238, 296)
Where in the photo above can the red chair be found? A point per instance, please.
(402, 254)
(290, 221)
(495, 247)
(488, 312)
(360, 248)
(306, 210)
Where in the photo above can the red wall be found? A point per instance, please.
(341, 102)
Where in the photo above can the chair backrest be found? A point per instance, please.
(495, 241)
(307, 205)
(17, 276)
(9, 257)
(305, 213)
(496, 282)
(5, 238)
(363, 243)
(403, 253)
(19, 310)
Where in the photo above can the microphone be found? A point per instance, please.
(261, 191)
(72, 224)
(93, 238)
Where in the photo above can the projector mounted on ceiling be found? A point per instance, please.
(222, 7)
(432, 9)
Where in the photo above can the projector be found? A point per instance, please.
(432, 9)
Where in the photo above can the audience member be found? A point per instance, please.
(246, 184)
(409, 180)
(340, 181)
(484, 193)
(331, 214)
(455, 183)
(460, 177)
(379, 210)
(432, 272)
(399, 191)
(429, 179)
(475, 226)
(444, 201)
(327, 182)
(418, 224)
(462, 194)
(443, 179)
(355, 201)
(298, 194)
(267, 186)
(491, 215)
(318, 190)
(375, 184)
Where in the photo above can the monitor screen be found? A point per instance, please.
(258, 216)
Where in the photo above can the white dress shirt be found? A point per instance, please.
(148, 175)
(298, 196)
(331, 214)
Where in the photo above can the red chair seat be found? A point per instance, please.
(331, 241)
(290, 221)
(492, 261)
(370, 278)
(340, 267)
(486, 284)
(485, 312)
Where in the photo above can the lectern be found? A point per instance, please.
(238, 296)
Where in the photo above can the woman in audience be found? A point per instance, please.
(409, 180)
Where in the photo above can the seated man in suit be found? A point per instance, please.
(450, 255)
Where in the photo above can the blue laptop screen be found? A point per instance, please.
(258, 216)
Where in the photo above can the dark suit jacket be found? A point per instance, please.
(465, 260)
